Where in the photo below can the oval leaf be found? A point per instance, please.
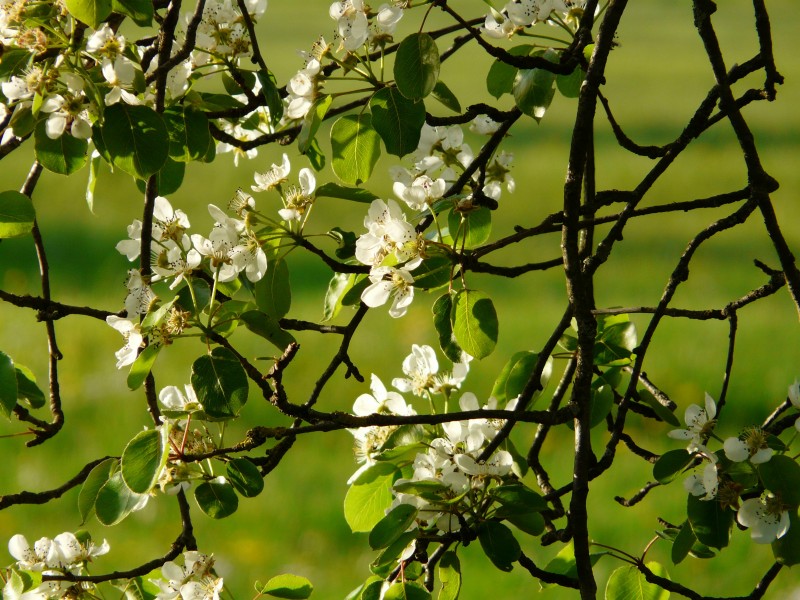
(273, 292)
(64, 155)
(475, 323)
(392, 526)
(288, 586)
(628, 583)
(135, 138)
(474, 227)
(442, 311)
(370, 495)
(449, 571)
(188, 133)
(217, 499)
(8, 385)
(91, 12)
(416, 66)
(499, 544)
(397, 120)
(534, 88)
(781, 475)
(515, 374)
(710, 522)
(142, 460)
(500, 78)
(91, 487)
(245, 477)
(142, 365)
(16, 214)
(670, 464)
(356, 147)
(220, 383)
(406, 591)
(115, 500)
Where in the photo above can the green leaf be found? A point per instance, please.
(16, 214)
(27, 388)
(434, 272)
(95, 162)
(220, 383)
(602, 401)
(15, 61)
(169, 179)
(628, 583)
(217, 499)
(475, 323)
(786, 549)
(397, 120)
(392, 526)
(781, 475)
(245, 477)
(91, 12)
(273, 292)
(416, 66)
(140, 11)
(670, 464)
(563, 563)
(271, 93)
(312, 122)
(449, 572)
(187, 128)
(500, 78)
(474, 227)
(534, 88)
(499, 544)
(371, 590)
(443, 94)
(8, 385)
(406, 591)
(115, 500)
(442, 309)
(515, 374)
(369, 496)
(136, 139)
(267, 327)
(519, 496)
(96, 479)
(683, 543)
(64, 155)
(615, 344)
(289, 586)
(334, 190)
(387, 559)
(142, 366)
(356, 147)
(142, 460)
(337, 287)
(710, 522)
(570, 85)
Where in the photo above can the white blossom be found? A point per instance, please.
(389, 282)
(765, 516)
(699, 423)
(133, 339)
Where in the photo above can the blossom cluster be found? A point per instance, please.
(194, 580)
(765, 515)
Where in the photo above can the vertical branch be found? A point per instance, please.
(581, 294)
(52, 344)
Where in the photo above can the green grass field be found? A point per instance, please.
(656, 78)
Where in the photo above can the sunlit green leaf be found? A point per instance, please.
(369, 496)
(397, 120)
(136, 139)
(142, 460)
(334, 190)
(273, 292)
(628, 583)
(443, 94)
(97, 478)
(416, 66)
(140, 11)
(115, 500)
(449, 575)
(16, 214)
(91, 12)
(475, 323)
(392, 526)
(670, 464)
(356, 147)
(245, 477)
(216, 498)
(8, 385)
(534, 88)
(27, 388)
(406, 590)
(288, 586)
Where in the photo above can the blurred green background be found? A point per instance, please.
(656, 78)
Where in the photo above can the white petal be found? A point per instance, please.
(736, 450)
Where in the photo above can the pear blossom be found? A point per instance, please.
(352, 23)
(498, 465)
(68, 111)
(421, 367)
(298, 200)
(707, 483)
(765, 516)
(140, 294)
(133, 339)
(389, 282)
(302, 90)
(388, 232)
(272, 178)
(751, 445)
(484, 125)
(421, 193)
(176, 260)
(192, 581)
(119, 74)
(699, 421)
(381, 401)
(172, 398)
(388, 17)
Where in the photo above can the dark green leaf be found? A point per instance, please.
(217, 499)
(781, 476)
(442, 309)
(515, 374)
(443, 94)
(392, 526)
(334, 190)
(188, 133)
(267, 327)
(475, 323)
(64, 155)
(534, 88)
(416, 66)
(27, 389)
(140, 11)
(711, 523)
(356, 147)
(387, 559)
(570, 85)
(136, 139)
(499, 544)
(220, 383)
(273, 292)
(670, 464)
(519, 496)
(169, 179)
(8, 385)
(245, 477)
(563, 563)
(97, 478)
(142, 460)
(346, 241)
(397, 120)
(293, 587)
(369, 496)
(786, 549)
(15, 61)
(16, 214)
(500, 78)
(683, 543)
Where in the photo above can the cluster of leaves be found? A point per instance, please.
(430, 483)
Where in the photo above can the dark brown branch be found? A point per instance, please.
(638, 496)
